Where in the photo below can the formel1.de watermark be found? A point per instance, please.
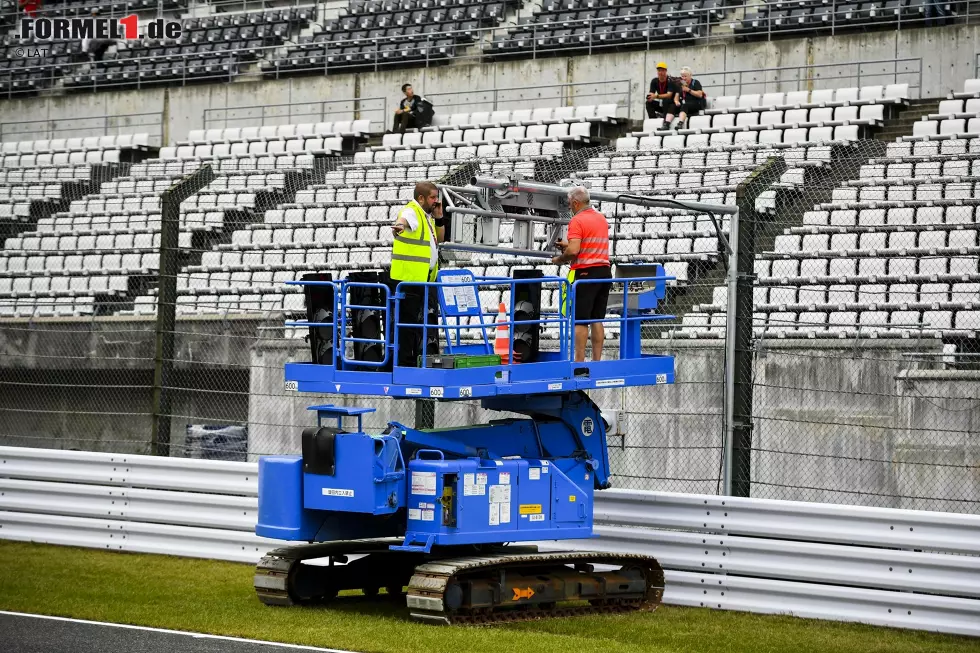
(126, 28)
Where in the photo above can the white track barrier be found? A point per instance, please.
(900, 568)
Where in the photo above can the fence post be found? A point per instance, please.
(163, 362)
(736, 471)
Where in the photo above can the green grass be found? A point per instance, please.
(217, 597)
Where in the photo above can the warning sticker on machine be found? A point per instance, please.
(539, 517)
(494, 514)
(554, 386)
(336, 492)
(505, 513)
(530, 508)
(505, 478)
(499, 494)
(481, 478)
(414, 513)
(544, 466)
(417, 392)
(428, 515)
(534, 473)
(474, 489)
(424, 483)
(470, 486)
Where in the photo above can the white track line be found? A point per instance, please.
(299, 647)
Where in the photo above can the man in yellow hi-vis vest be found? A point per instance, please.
(418, 230)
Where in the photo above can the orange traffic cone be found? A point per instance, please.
(501, 343)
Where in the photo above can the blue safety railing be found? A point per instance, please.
(566, 323)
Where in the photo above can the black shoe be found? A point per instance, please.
(664, 127)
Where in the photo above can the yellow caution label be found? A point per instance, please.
(571, 498)
(530, 509)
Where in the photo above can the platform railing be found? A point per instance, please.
(563, 318)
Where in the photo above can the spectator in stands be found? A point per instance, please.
(661, 95)
(936, 8)
(689, 100)
(29, 7)
(406, 115)
(96, 48)
(417, 231)
(587, 249)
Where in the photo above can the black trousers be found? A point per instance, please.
(98, 47)
(691, 107)
(410, 312)
(658, 108)
(403, 121)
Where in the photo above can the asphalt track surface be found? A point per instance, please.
(24, 633)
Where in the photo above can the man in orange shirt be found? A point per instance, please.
(587, 249)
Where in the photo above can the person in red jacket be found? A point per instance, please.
(587, 249)
(30, 7)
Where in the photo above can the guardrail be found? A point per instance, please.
(125, 123)
(374, 109)
(616, 92)
(900, 568)
(816, 76)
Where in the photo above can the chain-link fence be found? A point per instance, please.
(848, 378)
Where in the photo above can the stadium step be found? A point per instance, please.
(902, 124)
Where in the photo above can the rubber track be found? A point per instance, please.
(430, 581)
(274, 585)
(272, 574)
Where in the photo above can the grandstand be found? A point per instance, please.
(893, 251)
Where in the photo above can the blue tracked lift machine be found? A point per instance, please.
(438, 516)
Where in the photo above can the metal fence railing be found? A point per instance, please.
(617, 92)
(374, 109)
(817, 76)
(151, 124)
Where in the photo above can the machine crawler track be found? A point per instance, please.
(501, 584)
(281, 578)
(512, 587)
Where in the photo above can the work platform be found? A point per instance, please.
(458, 292)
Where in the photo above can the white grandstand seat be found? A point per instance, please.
(723, 102)
(821, 96)
(770, 136)
(952, 126)
(896, 91)
(797, 98)
(872, 112)
(772, 99)
(871, 93)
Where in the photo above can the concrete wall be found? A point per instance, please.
(88, 385)
(948, 57)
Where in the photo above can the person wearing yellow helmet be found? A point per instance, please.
(660, 99)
